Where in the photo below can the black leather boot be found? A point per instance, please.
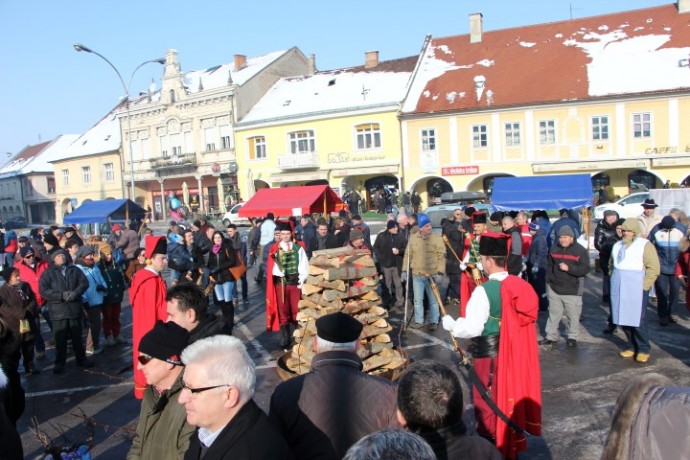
(228, 309)
(284, 336)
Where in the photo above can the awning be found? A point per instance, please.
(292, 201)
(94, 212)
(569, 191)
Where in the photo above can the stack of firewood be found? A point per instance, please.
(345, 279)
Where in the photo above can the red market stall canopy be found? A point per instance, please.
(292, 201)
(570, 191)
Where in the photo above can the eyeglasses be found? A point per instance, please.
(195, 391)
(144, 359)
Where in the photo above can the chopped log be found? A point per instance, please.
(318, 299)
(372, 331)
(331, 295)
(314, 270)
(337, 252)
(353, 291)
(308, 289)
(371, 295)
(306, 303)
(347, 273)
(307, 314)
(319, 281)
(370, 281)
(356, 306)
(363, 261)
(382, 338)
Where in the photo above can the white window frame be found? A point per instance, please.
(302, 141)
(600, 128)
(86, 175)
(65, 177)
(108, 172)
(547, 132)
(639, 120)
(428, 139)
(368, 136)
(480, 136)
(512, 133)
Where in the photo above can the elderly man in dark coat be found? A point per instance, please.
(324, 412)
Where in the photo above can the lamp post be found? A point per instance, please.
(79, 47)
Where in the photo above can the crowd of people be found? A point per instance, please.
(494, 272)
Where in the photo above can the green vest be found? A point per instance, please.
(493, 292)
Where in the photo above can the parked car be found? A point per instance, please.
(15, 222)
(233, 217)
(627, 207)
(441, 211)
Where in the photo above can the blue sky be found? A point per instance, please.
(47, 88)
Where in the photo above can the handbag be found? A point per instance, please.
(24, 326)
(239, 269)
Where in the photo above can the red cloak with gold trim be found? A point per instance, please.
(518, 374)
(147, 296)
(272, 320)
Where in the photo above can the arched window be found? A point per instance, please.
(641, 181)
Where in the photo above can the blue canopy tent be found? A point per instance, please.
(101, 211)
(570, 191)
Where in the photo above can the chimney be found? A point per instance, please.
(684, 6)
(476, 31)
(371, 59)
(312, 64)
(240, 61)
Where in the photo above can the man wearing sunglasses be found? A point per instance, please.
(162, 431)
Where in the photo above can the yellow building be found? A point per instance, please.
(605, 95)
(89, 168)
(335, 127)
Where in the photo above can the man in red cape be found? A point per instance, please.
(147, 296)
(500, 321)
(284, 282)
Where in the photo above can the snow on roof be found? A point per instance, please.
(332, 91)
(218, 76)
(630, 52)
(105, 136)
(36, 158)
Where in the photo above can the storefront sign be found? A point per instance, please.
(459, 170)
(367, 171)
(590, 165)
(677, 161)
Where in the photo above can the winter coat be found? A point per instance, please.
(31, 275)
(115, 279)
(249, 435)
(667, 244)
(322, 413)
(538, 250)
(95, 293)
(201, 241)
(456, 241)
(553, 234)
(604, 238)
(577, 260)
(383, 249)
(162, 431)
(426, 255)
(330, 243)
(53, 284)
(209, 326)
(218, 264)
(453, 443)
(179, 258)
(308, 233)
(647, 223)
(128, 242)
(515, 256)
(13, 307)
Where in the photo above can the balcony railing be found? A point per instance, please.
(174, 161)
(298, 160)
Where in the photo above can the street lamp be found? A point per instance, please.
(80, 47)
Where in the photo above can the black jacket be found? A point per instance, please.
(453, 443)
(604, 238)
(248, 436)
(331, 243)
(383, 249)
(53, 284)
(572, 281)
(209, 325)
(219, 263)
(324, 412)
(455, 239)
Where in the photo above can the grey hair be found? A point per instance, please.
(326, 345)
(508, 220)
(391, 444)
(675, 212)
(226, 361)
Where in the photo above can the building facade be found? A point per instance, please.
(336, 127)
(606, 95)
(182, 136)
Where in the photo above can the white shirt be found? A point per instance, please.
(477, 312)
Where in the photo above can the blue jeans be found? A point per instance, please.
(420, 286)
(224, 292)
(639, 336)
(667, 287)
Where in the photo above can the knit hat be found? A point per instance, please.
(423, 219)
(566, 231)
(116, 227)
(26, 250)
(165, 342)
(391, 224)
(631, 225)
(338, 328)
(50, 239)
(356, 234)
(667, 223)
(85, 251)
